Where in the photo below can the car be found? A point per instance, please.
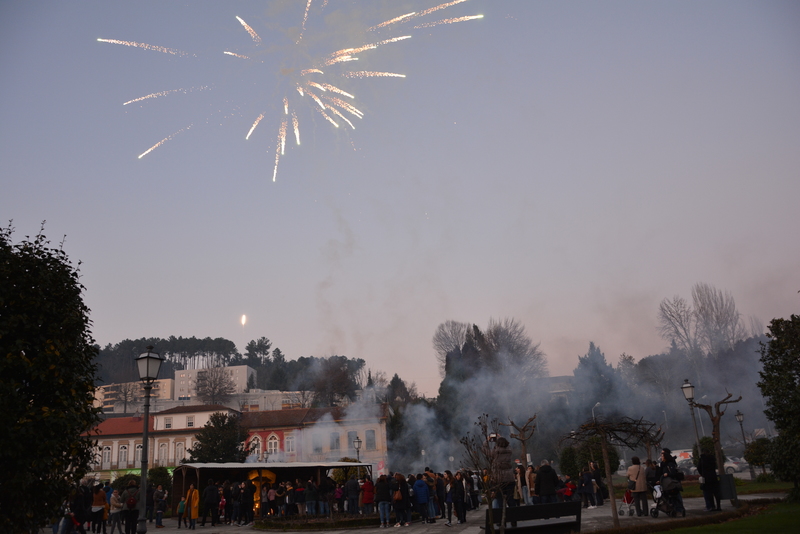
(687, 467)
(735, 465)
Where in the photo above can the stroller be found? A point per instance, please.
(627, 500)
(667, 499)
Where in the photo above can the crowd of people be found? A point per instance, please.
(432, 495)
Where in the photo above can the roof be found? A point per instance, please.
(273, 465)
(122, 426)
(196, 408)
(298, 417)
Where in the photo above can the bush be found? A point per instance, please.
(766, 478)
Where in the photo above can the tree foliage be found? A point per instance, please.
(47, 380)
(780, 385)
(222, 439)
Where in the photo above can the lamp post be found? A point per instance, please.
(740, 418)
(357, 447)
(688, 393)
(148, 364)
(593, 407)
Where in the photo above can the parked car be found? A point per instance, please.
(687, 467)
(736, 465)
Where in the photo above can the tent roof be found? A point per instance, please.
(272, 465)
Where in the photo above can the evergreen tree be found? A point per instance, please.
(221, 440)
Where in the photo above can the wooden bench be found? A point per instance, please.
(535, 513)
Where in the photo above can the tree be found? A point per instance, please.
(257, 352)
(127, 392)
(47, 381)
(214, 385)
(221, 440)
(757, 453)
(448, 336)
(719, 324)
(780, 378)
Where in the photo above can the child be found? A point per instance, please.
(181, 515)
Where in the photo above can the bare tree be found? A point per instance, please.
(214, 385)
(715, 414)
(479, 453)
(512, 348)
(678, 323)
(127, 393)
(523, 434)
(719, 324)
(449, 335)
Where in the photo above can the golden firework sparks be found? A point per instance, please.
(296, 125)
(250, 30)
(145, 46)
(305, 19)
(392, 21)
(372, 46)
(285, 106)
(258, 119)
(310, 71)
(334, 89)
(345, 119)
(328, 117)
(234, 54)
(372, 74)
(437, 8)
(167, 138)
(447, 21)
(345, 105)
(164, 93)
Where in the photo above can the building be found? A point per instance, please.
(127, 396)
(186, 380)
(319, 434)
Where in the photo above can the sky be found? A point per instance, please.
(567, 164)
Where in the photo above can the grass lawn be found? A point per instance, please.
(775, 519)
(692, 488)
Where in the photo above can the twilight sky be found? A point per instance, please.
(568, 164)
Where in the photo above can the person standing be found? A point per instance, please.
(182, 512)
(192, 506)
(638, 475)
(546, 483)
(115, 511)
(459, 496)
(383, 496)
(130, 507)
(160, 505)
(597, 474)
(352, 490)
(707, 467)
(210, 503)
(421, 497)
(585, 488)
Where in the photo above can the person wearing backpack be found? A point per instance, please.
(130, 507)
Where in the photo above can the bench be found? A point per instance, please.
(536, 512)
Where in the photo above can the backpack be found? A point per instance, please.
(131, 502)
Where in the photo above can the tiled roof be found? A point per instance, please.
(297, 417)
(122, 426)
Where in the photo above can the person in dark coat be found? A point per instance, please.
(546, 483)
(708, 470)
(383, 497)
(351, 491)
(585, 488)
(210, 499)
(459, 497)
(597, 474)
(421, 497)
(402, 506)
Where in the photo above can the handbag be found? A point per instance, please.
(398, 496)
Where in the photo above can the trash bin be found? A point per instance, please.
(727, 488)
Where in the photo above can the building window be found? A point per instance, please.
(168, 422)
(288, 444)
(180, 452)
(255, 446)
(316, 443)
(335, 441)
(123, 455)
(138, 454)
(189, 421)
(370, 440)
(351, 437)
(272, 445)
(106, 455)
(162, 454)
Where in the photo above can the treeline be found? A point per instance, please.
(326, 378)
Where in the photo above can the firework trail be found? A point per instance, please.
(285, 106)
(327, 117)
(345, 119)
(145, 46)
(371, 74)
(305, 19)
(234, 54)
(164, 93)
(393, 21)
(250, 30)
(345, 105)
(310, 71)
(258, 119)
(347, 52)
(279, 148)
(447, 21)
(437, 8)
(335, 89)
(168, 138)
(296, 125)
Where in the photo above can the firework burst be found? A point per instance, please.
(312, 82)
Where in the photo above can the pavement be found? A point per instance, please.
(597, 519)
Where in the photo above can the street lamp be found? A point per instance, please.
(148, 364)
(688, 393)
(357, 447)
(740, 418)
(593, 407)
